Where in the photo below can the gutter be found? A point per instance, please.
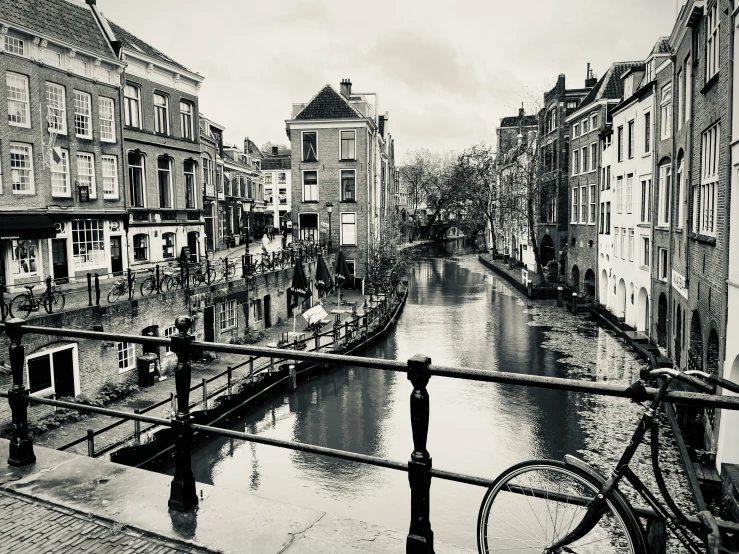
(727, 202)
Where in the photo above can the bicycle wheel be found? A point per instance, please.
(148, 286)
(21, 306)
(55, 303)
(536, 502)
(115, 293)
(211, 276)
(230, 271)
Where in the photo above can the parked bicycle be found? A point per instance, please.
(149, 286)
(553, 507)
(228, 269)
(23, 304)
(121, 287)
(201, 274)
(172, 279)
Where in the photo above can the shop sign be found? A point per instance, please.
(678, 283)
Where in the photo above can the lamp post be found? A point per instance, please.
(329, 209)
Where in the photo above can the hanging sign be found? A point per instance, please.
(84, 193)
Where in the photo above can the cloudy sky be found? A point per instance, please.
(446, 71)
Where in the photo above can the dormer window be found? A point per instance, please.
(15, 45)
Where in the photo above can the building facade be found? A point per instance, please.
(62, 200)
(277, 190)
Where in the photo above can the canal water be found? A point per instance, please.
(458, 313)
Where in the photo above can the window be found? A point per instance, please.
(623, 243)
(136, 180)
(107, 119)
(712, 41)
(56, 108)
(348, 148)
(593, 156)
(82, 114)
(18, 102)
(282, 196)
(349, 229)
(575, 162)
(688, 87)
(141, 247)
(126, 356)
(310, 152)
(594, 121)
(21, 168)
(573, 211)
(258, 309)
(281, 178)
(348, 185)
(268, 198)
(584, 159)
(608, 218)
(110, 176)
(308, 224)
(679, 194)
(647, 132)
(602, 227)
(591, 217)
(631, 245)
(679, 100)
(208, 176)
(583, 204)
(52, 57)
(227, 315)
(186, 110)
(662, 264)
(666, 111)
(552, 119)
(88, 243)
(78, 65)
(620, 143)
(585, 128)
(267, 178)
(161, 115)
(619, 194)
(645, 251)
(190, 192)
(617, 243)
(646, 201)
(709, 179)
(60, 176)
(631, 139)
(665, 190)
(629, 192)
(24, 257)
(168, 333)
(168, 245)
(132, 105)
(86, 172)
(310, 186)
(15, 45)
(54, 371)
(164, 178)
(576, 130)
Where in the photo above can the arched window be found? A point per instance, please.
(140, 247)
(169, 246)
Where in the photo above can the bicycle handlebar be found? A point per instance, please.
(716, 380)
(683, 376)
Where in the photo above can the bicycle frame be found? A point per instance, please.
(597, 508)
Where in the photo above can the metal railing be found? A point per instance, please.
(418, 369)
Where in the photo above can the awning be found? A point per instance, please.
(26, 226)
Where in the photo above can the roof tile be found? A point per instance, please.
(136, 43)
(328, 104)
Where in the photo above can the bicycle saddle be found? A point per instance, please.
(29, 287)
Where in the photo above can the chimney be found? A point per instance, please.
(275, 151)
(346, 88)
(246, 145)
(590, 80)
(91, 2)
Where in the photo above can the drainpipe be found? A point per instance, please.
(673, 166)
(654, 216)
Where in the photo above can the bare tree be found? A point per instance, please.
(478, 175)
(266, 148)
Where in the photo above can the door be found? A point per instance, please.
(192, 242)
(210, 323)
(267, 312)
(63, 362)
(116, 256)
(59, 260)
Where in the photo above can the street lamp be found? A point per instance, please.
(329, 209)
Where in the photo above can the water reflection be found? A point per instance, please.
(458, 314)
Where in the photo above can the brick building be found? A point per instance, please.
(277, 190)
(589, 130)
(211, 149)
(162, 150)
(337, 159)
(62, 210)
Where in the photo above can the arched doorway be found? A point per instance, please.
(695, 350)
(546, 250)
(590, 283)
(621, 298)
(575, 278)
(604, 287)
(193, 242)
(642, 310)
(662, 321)
(678, 354)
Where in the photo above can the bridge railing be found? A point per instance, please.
(418, 369)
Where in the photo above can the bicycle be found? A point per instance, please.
(553, 507)
(228, 269)
(149, 286)
(23, 304)
(172, 279)
(121, 287)
(200, 277)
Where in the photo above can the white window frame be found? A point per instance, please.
(128, 101)
(583, 204)
(616, 242)
(662, 264)
(645, 245)
(575, 203)
(142, 168)
(18, 146)
(21, 97)
(584, 151)
(106, 109)
(575, 161)
(15, 260)
(665, 195)
(126, 353)
(169, 332)
(60, 171)
(170, 187)
(110, 192)
(227, 319)
(648, 134)
(147, 247)
(576, 130)
(713, 46)
(159, 108)
(341, 228)
(629, 192)
(593, 121)
(303, 189)
(584, 126)
(688, 88)
(82, 171)
(593, 208)
(186, 119)
(680, 185)
(341, 185)
(353, 157)
(82, 113)
(194, 174)
(631, 245)
(302, 146)
(56, 100)
(49, 353)
(710, 155)
(619, 194)
(15, 45)
(51, 57)
(666, 111)
(631, 139)
(593, 156)
(174, 245)
(78, 66)
(87, 230)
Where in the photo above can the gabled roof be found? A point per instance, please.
(328, 104)
(610, 86)
(69, 22)
(273, 163)
(131, 41)
(513, 121)
(662, 46)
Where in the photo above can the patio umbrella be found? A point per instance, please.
(300, 287)
(323, 276)
(342, 273)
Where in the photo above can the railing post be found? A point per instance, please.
(293, 377)
(420, 536)
(158, 280)
(89, 289)
(91, 443)
(318, 342)
(182, 496)
(574, 302)
(559, 297)
(205, 394)
(229, 370)
(271, 365)
(21, 446)
(137, 427)
(251, 369)
(129, 278)
(243, 266)
(97, 290)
